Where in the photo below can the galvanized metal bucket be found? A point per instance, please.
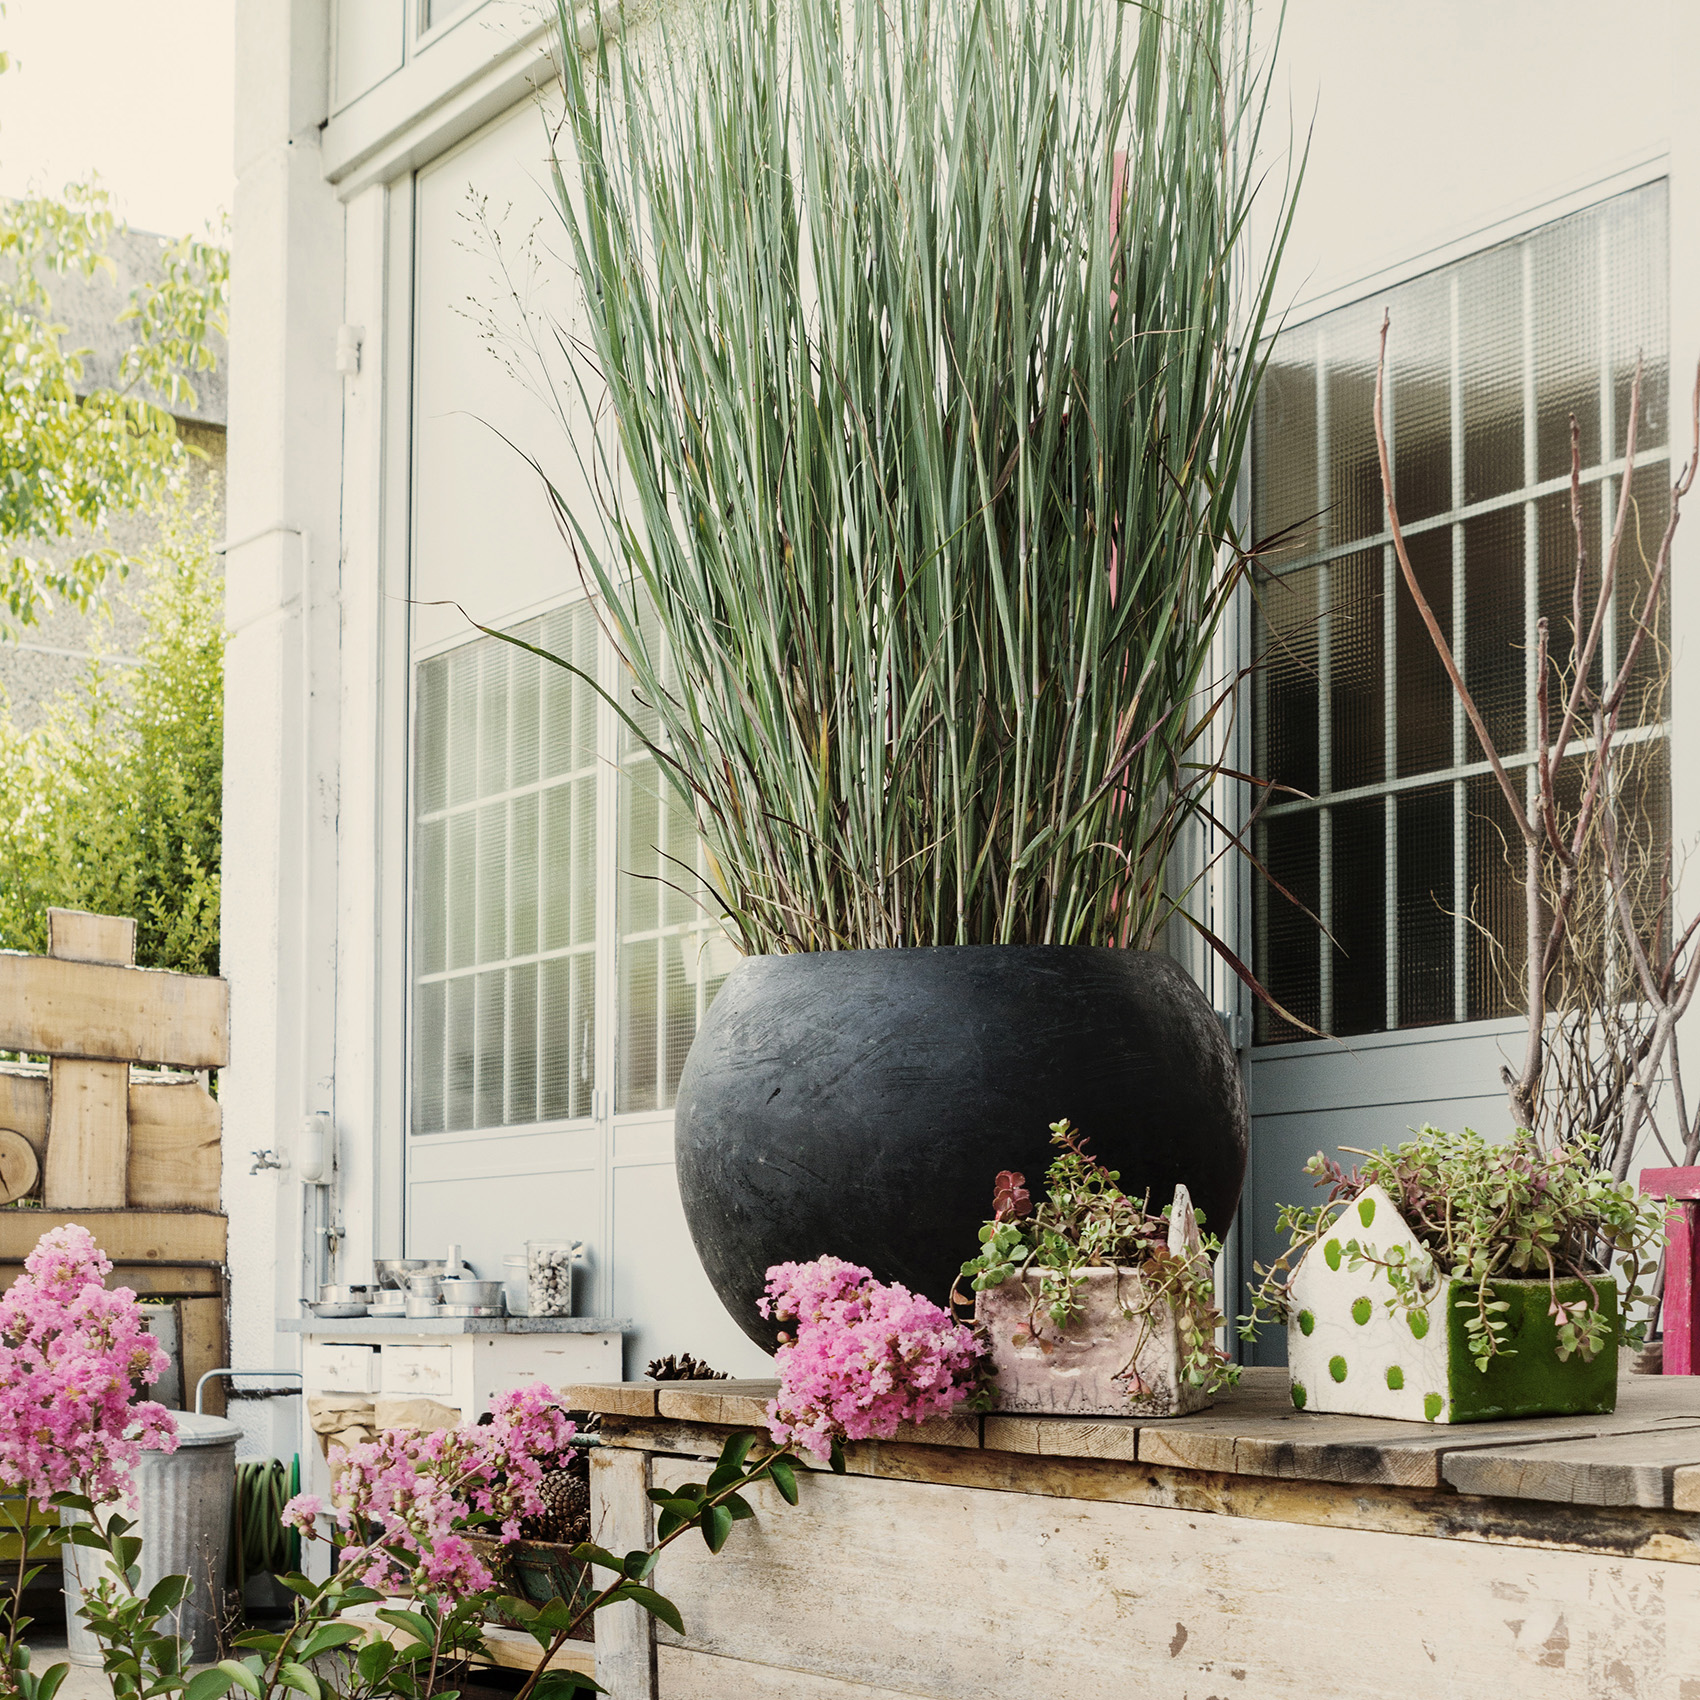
(181, 1503)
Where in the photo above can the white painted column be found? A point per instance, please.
(281, 693)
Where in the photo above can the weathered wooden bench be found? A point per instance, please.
(1251, 1550)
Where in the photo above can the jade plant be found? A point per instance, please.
(1485, 1213)
(1086, 1221)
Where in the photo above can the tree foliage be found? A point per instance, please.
(112, 802)
(73, 451)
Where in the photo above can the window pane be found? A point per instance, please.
(1488, 362)
(504, 853)
(1358, 712)
(673, 953)
(1426, 906)
(1360, 917)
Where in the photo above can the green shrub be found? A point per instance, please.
(112, 803)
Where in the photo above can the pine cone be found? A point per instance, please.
(683, 1368)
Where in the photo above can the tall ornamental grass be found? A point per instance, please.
(924, 342)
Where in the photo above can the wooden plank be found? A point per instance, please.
(510, 1649)
(206, 1345)
(23, 1105)
(160, 1281)
(74, 935)
(616, 1398)
(126, 1236)
(88, 1135)
(620, 1520)
(1685, 1490)
(685, 1675)
(1302, 1445)
(1627, 1532)
(741, 1403)
(1620, 1469)
(1161, 1603)
(176, 1148)
(110, 1014)
(20, 1168)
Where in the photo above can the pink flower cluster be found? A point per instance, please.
(866, 1356)
(73, 1358)
(410, 1498)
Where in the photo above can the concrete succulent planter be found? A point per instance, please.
(1350, 1353)
(1121, 1356)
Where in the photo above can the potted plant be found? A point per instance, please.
(928, 340)
(1090, 1303)
(1452, 1280)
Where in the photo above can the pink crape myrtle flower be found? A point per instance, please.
(411, 1498)
(866, 1356)
(73, 1358)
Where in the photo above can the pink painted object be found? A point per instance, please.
(1682, 1187)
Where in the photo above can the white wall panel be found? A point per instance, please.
(658, 1280)
(369, 40)
(484, 535)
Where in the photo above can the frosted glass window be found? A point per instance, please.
(1390, 832)
(504, 891)
(673, 952)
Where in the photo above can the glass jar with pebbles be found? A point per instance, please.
(549, 1276)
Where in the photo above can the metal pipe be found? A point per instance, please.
(230, 1369)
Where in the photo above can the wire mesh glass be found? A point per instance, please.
(1488, 360)
(504, 914)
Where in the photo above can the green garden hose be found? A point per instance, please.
(258, 1539)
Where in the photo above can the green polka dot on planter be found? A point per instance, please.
(1432, 1405)
(1395, 1377)
(1307, 1321)
(1362, 1311)
(1298, 1395)
(1331, 1252)
(1419, 1323)
(1366, 1210)
(1337, 1368)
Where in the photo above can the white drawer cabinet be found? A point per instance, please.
(419, 1372)
(335, 1366)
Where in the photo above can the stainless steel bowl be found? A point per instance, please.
(393, 1271)
(333, 1294)
(422, 1304)
(468, 1292)
(333, 1312)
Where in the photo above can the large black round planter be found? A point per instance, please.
(859, 1103)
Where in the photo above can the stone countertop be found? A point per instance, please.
(1645, 1454)
(382, 1327)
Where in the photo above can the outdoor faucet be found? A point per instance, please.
(267, 1159)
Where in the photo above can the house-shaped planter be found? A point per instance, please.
(1120, 1356)
(1352, 1348)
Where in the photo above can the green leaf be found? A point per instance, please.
(838, 1464)
(716, 1527)
(373, 1660)
(639, 1563)
(329, 1635)
(784, 1478)
(166, 1595)
(735, 1451)
(241, 1676)
(587, 1552)
(738, 1506)
(657, 1605)
(208, 1684)
(417, 1626)
(298, 1677)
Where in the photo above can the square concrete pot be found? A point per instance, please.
(1120, 1356)
(1349, 1353)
